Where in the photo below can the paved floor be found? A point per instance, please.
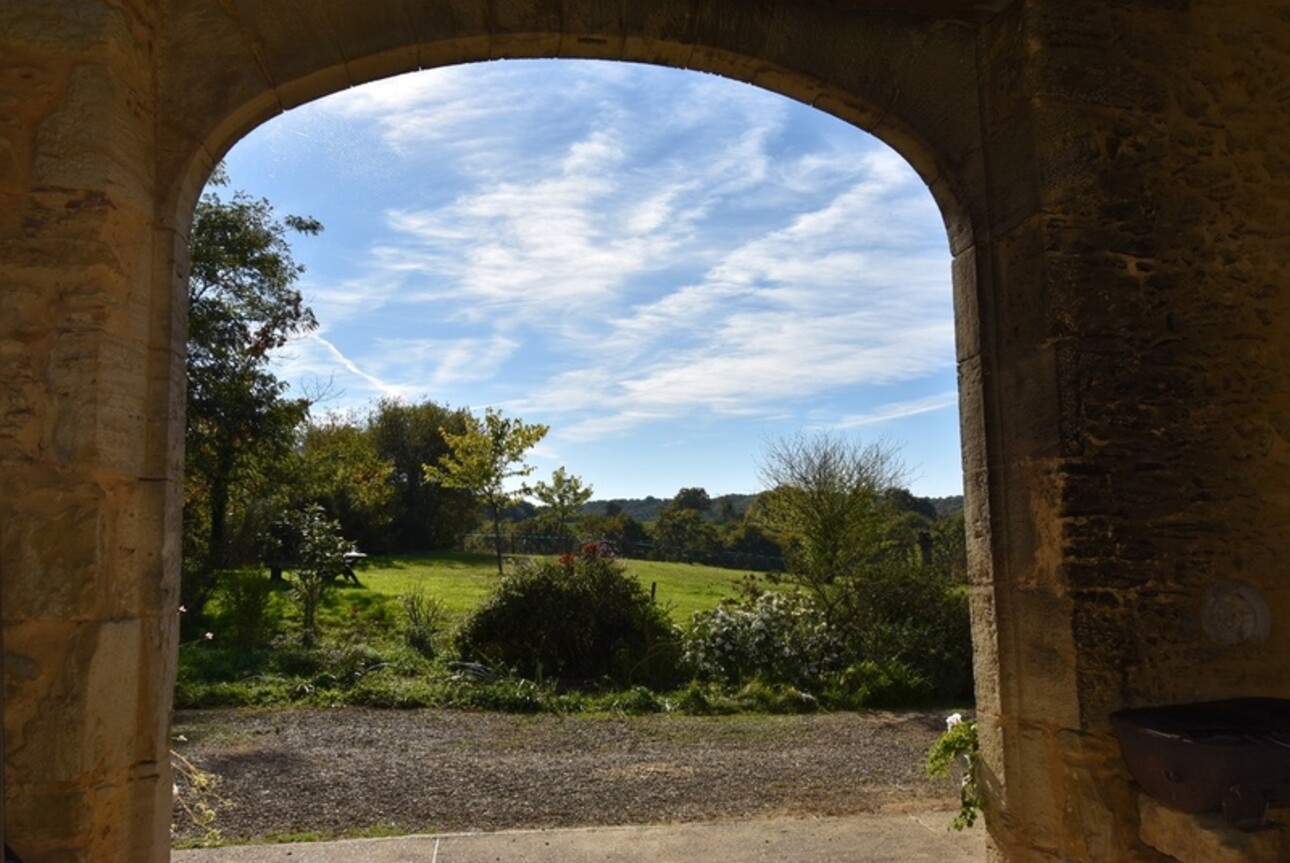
(919, 837)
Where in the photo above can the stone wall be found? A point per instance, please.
(1115, 187)
(88, 510)
(1143, 261)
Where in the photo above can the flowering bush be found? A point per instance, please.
(959, 744)
(777, 636)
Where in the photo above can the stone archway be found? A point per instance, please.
(1115, 203)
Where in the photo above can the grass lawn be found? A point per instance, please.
(462, 580)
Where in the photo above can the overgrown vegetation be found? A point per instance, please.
(391, 643)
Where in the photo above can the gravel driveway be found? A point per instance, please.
(347, 771)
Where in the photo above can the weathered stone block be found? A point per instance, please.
(122, 147)
(1207, 839)
(52, 539)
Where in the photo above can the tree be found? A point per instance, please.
(949, 546)
(341, 470)
(725, 511)
(692, 498)
(242, 304)
(483, 459)
(410, 436)
(320, 552)
(563, 498)
(828, 502)
(626, 533)
(682, 534)
(752, 547)
(825, 501)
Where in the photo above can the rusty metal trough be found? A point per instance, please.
(1231, 756)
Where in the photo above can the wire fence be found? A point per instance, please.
(553, 544)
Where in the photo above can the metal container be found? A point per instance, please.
(1231, 756)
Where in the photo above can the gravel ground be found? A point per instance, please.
(343, 771)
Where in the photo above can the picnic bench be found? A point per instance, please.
(352, 560)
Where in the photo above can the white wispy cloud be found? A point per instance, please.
(439, 363)
(665, 251)
(897, 410)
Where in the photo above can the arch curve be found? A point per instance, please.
(881, 83)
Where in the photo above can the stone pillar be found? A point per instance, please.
(90, 379)
(1136, 392)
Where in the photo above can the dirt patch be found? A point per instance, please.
(345, 771)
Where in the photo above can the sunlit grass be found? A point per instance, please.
(684, 588)
(463, 580)
(460, 580)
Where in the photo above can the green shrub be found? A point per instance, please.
(580, 619)
(508, 694)
(344, 665)
(248, 615)
(640, 700)
(880, 683)
(764, 697)
(696, 700)
(426, 619)
(911, 616)
(320, 560)
(960, 747)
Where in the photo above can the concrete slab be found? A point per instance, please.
(919, 837)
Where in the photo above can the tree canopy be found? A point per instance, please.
(563, 498)
(242, 304)
(825, 499)
(484, 458)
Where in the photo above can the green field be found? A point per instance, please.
(462, 580)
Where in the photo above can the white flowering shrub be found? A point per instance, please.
(775, 636)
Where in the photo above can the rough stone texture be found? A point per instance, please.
(1116, 190)
(1208, 839)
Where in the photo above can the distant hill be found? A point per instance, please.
(648, 508)
(947, 505)
(640, 508)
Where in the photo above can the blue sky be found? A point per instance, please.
(667, 268)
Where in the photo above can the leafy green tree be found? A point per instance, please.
(341, 469)
(903, 500)
(949, 546)
(410, 436)
(692, 498)
(563, 498)
(626, 533)
(682, 534)
(242, 304)
(825, 501)
(752, 547)
(483, 460)
(725, 511)
(320, 552)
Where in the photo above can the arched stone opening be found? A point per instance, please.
(1115, 204)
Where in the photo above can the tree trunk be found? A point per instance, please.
(219, 518)
(497, 536)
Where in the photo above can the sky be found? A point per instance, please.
(669, 269)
